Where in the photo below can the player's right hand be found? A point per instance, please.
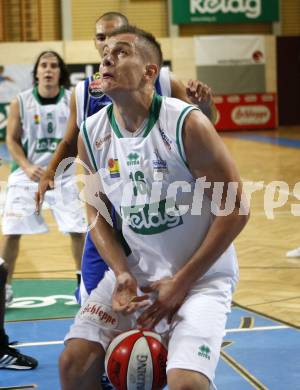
(124, 298)
(46, 183)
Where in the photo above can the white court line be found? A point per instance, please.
(235, 330)
(38, 344)
(257, 328)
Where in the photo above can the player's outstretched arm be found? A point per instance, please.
(196, 93)
(66, 148)
(14, 144)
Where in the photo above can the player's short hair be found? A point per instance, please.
(152, 49)
(114, 15)
(64, 79)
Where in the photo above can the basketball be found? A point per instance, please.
(137, 360)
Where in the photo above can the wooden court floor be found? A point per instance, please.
(269, 282)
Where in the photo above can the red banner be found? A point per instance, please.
(246, 112)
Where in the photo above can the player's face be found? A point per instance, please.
(48, 71)
(122, 66)
(103, 28)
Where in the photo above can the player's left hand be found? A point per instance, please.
(198, 92)
(169, 298)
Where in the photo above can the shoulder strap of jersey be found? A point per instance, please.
(21, 107)
(86, 99)
(88, 146)
(179, 126)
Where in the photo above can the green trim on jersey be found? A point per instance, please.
(180, 121)
(153, 116)
(112, 121)
(14, 165)
(88, 144)
(154, 113)
(20, 100)
(61, 94)
(37, 98)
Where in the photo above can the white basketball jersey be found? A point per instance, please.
(43, 127)
(147, 180)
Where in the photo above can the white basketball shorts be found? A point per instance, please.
(19, 216)
(194, 337)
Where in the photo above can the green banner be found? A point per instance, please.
(224, 11)
(3, 119)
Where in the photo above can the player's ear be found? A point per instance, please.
(151, 71)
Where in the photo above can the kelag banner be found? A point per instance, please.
(224, 11)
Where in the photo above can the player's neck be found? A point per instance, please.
(48, 91)
(131, 110)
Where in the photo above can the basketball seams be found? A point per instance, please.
(150, 334)
(136, 359)
(130, 354)
(115, 343)
(139, 349)
(156, 372)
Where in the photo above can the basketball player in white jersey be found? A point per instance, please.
(36, 124)
(151, 167)
(89, 99)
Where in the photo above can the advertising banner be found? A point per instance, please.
(230, 50)
(224, 11)
(246, 112)
(231, 63)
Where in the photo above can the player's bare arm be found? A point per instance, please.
(14, 145)
(207, 157)
(197, 93)
(105, 239)
(66, 148)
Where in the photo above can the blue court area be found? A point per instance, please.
(257, 353)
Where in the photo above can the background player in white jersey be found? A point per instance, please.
(87, 100)
(36, 124)
(185, 261)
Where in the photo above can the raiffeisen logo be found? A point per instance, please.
(250, 8)
(251, 115)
